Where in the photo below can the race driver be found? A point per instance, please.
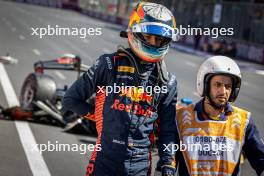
(124, 119)
(220, 130)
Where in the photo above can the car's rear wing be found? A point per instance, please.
(62, 63)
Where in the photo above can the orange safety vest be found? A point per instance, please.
(211, 147)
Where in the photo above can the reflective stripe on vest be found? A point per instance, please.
(211, 147)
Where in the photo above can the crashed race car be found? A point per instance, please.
(41, 96)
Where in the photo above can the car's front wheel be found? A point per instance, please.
(37, 87)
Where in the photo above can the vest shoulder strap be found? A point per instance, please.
(189, 108)
(240, 110)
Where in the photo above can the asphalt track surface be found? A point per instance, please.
(16, 21)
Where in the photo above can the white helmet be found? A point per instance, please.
(218, 65)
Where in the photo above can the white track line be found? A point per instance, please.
(37, 52)
(8, 88)
(35, 159)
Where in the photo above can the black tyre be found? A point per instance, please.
(37, 87)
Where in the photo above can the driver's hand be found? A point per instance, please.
(168, 171)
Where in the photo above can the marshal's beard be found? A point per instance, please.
(216, 106)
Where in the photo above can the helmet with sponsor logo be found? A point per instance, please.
(218, 65)
(151, 19)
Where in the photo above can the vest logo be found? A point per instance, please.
(186, 117)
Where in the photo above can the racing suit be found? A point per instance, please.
(252, 144)
(124, 119)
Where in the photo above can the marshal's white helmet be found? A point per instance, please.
(218, 65)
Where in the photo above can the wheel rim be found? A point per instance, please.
(28, 96)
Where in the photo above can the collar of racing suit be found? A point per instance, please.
(143, 67)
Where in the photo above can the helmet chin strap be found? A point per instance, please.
(162, 70)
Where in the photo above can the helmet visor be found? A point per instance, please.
(154, 28)
(153, 40)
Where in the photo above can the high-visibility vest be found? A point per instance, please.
(211, 147)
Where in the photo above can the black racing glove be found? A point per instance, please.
(168, 171)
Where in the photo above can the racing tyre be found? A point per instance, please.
(37, 87)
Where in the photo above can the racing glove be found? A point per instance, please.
(168, 171)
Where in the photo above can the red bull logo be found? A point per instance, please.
(136, 109)
(137, 95)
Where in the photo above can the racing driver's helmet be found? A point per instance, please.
(218, 65)
(151, 19)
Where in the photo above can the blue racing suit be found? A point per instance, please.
(124, 119)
